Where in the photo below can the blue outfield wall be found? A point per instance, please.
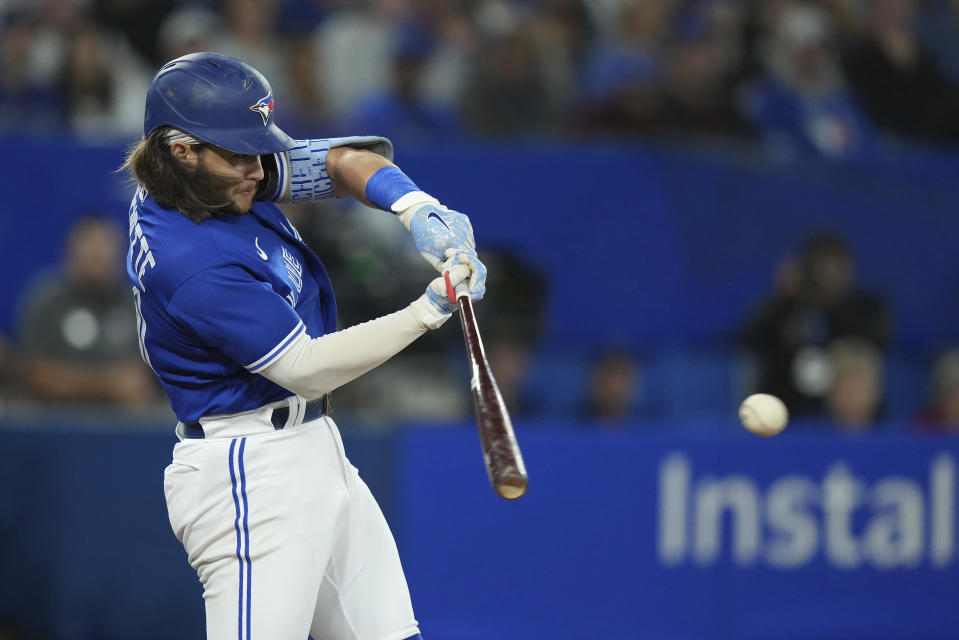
(645, 534)
(657, 536)
(640, 243)
(86, 549)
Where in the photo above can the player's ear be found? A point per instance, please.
(183, 152)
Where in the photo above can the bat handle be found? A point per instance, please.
(474, 343)
(458, 294)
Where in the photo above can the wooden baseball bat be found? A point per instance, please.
(504, 461)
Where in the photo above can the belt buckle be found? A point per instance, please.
(327, 403)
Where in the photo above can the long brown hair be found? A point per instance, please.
(191, 190)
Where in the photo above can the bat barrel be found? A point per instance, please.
(504, 461)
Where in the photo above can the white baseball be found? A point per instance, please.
(763, 414)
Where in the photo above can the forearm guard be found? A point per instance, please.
(300, 175)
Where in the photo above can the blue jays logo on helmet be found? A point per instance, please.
(264, 107)
(208, 95)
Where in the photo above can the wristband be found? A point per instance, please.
(388, 185)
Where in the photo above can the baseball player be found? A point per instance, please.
(236, 316)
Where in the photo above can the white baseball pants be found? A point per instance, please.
(285, 537)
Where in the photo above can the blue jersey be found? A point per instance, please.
(219, 301)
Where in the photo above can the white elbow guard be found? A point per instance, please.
(300, 175)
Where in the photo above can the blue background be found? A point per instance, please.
(87, 550)
(648, 244)
(660, 248)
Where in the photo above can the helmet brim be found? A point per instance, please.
(271, 139)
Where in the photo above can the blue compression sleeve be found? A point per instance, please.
(388, 185)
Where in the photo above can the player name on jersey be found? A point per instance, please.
(139, 247)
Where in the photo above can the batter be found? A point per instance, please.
(237, 318)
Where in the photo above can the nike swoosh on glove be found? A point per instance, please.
(435, 229)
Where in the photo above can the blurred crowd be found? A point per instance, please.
(832, 78)
(816, 339)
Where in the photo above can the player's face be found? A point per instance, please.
(237, 173)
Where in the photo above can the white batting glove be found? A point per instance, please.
(438, 303)
(477, 278)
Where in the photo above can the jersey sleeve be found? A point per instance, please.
(241, 316)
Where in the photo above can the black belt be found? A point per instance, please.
(314, 409)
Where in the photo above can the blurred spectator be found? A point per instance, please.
(512, 317)
(614, 384)
(399, 111)
(138, 21)
(29, 102)
(301, 17)
(937, 26)
(54, 20)
(702, 64)
(78, 330)
(102, 82)
(305, 111)
(352, 53)
(816, 302)
(801, 104)
(896, 78)
(846, 15)
(516, 297)
(941, 414)
(507, 95)
(453, 47)
(250, 34)
(855, 395)
(672, 70)
(511, 360)
(369, 254)
(187, 29)
(562, 32)
(623, 73)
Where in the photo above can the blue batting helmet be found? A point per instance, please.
(217, 99)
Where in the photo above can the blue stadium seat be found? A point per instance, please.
(557, 384)
(689, 383)
(906, 380)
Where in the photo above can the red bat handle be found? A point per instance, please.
(504, 461)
